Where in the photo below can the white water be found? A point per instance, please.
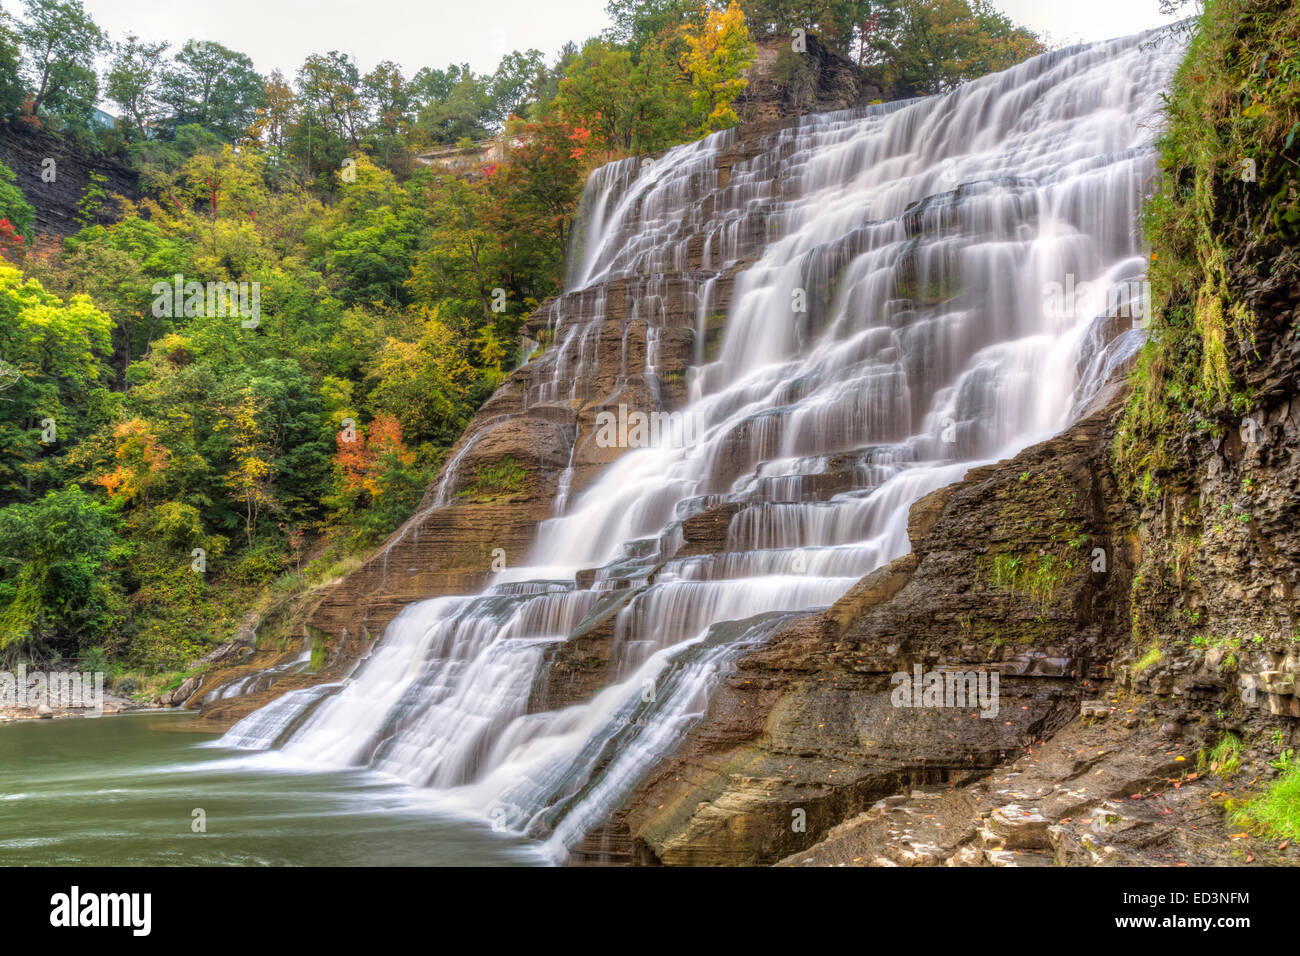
(922, 236)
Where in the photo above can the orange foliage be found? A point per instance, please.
(141, 461)
(363, 461)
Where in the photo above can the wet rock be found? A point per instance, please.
(1016, 828)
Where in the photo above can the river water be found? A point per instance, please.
(120, 791)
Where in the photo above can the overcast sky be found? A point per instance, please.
(415, 33)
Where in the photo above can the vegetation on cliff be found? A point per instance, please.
(1226, 202)
(1222, 226)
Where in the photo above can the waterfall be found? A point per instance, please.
(896, 322)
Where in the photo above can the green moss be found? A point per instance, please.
(498, 480)
(319, 651)
(1152, 657)
(1233, 109)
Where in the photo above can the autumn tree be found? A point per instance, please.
(535, 191)
(719, 55)
(140, 463)
(273, 118)
(250, 480)
(377, 477)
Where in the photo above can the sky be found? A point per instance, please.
(279, 34)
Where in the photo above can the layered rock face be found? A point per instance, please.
(55, 188)
(1027, 569)
(1020, 570)
(794, 75)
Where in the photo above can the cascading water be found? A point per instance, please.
(890, 332)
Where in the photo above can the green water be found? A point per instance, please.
(122, 791)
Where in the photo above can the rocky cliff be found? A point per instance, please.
(55, 189)
(1027, 569)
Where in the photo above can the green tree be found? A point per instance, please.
(11, 87)
(517, 81)
(135, 83)
(61, 42)
(927, 47)
(844, 26)
(330, 86)
(388, 100)
(59, 574)
(638, 22)
(213, 86)
(53, 363)
(463, 113)
(626, 106)
(455, 269)
(371, 237)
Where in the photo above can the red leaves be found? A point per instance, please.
(11, 243)
(580, 136)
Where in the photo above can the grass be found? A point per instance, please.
(1039, 580)
(1224, 759)
(1275, 812)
